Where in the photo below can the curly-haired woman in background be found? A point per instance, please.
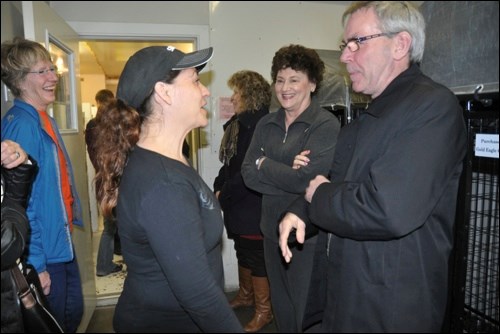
(251, 99)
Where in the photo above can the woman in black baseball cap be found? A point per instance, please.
(170, 223)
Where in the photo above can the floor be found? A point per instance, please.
(102, 320)
(109, 287)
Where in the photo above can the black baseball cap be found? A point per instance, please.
(150, 65)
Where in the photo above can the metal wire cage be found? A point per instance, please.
(474, 294)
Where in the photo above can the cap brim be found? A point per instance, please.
(194, 59)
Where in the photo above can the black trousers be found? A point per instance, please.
(250, 255)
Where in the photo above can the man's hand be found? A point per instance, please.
(313, 185)
(289, 223)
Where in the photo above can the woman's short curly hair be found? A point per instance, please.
(299, 58)
(254, 90)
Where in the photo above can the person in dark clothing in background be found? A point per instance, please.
(104, 96)
(386, 216)
(242, 206)
(18, 173)
(109, 237)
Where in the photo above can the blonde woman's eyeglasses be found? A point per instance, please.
(52, 69)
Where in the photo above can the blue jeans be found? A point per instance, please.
(65, 297)
(105, 264)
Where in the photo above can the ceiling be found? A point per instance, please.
(109, 57)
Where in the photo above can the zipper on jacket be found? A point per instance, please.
(328, 245)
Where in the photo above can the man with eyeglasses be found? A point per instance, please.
(387, 213)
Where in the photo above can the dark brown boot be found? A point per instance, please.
(263, 311)
(245, 293)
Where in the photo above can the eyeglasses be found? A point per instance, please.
(353, 43)
(52, 69)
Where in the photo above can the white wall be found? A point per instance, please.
(245, 35)
(171, 12)
(90, 85)
(12, 25)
